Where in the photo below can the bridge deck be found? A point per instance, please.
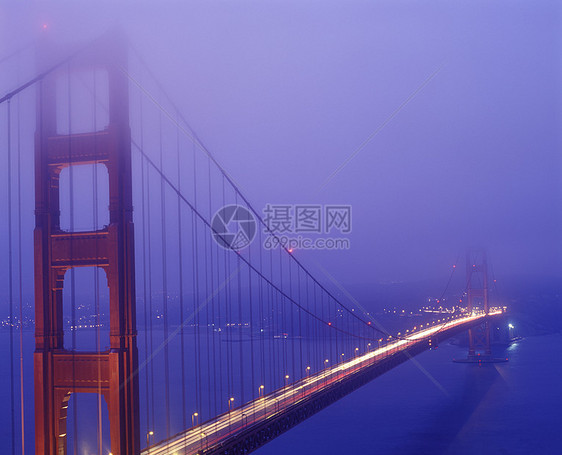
(214, 436)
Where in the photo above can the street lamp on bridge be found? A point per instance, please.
(148, 435)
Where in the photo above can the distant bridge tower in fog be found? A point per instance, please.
(478, 337)
(60, 372)
(479, 347)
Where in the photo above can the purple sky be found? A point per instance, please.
(284, 92)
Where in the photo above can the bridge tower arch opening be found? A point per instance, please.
(59, 372)
(86, 430)
(86, 326)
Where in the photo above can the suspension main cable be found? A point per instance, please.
(8, 96)
(198, 143)
(206, 223)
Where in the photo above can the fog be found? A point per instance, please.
(437, 122)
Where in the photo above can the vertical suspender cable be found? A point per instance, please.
(221, 394)
(96, 271)
(10, 287)
(150, 316)
(229, 333)
(282, 316)
(251, 327)
(332, 356)
(143, 219)
(336, 324)
(180, 266)
(195, 254)
(261, 315)
(307, 339)
(20, 284)
(293, 375)
(228, 312)
(208, 299)
(321, 330)
(280, 326)
(240, 321)
(72, 271)
(273, 370)
(144, 203)
(318, 342)
(214, 298)
(219, 331)
(164, 284)
(301, 365)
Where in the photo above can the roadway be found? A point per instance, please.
(202, 437)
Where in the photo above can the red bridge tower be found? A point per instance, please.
(60, 372)
(479, 343)
(478, 337)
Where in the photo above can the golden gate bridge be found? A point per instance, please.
(197, 347)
